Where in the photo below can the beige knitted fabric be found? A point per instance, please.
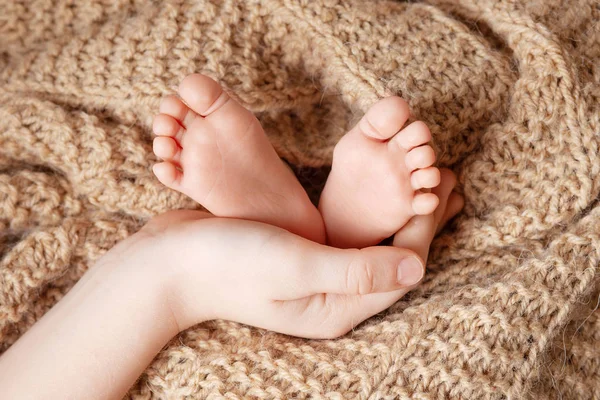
(510, 89)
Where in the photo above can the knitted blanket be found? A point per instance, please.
(509, 88)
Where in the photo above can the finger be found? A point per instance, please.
(361, 272)
(328, 316)
(160, 222)
(296, 267)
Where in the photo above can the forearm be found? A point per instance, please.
(97, 340)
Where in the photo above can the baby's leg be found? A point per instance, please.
(377, 175)
(216, 152)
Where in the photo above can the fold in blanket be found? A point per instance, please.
(510, 89)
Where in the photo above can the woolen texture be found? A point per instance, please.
(509, 88)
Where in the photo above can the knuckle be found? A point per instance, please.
(360, 277)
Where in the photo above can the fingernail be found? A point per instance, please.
(410, 271)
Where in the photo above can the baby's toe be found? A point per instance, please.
(208, 99)
(165, 125)
(450, 201)
(420, 157)
(414, 135)
(384, 119)
(425, 203)
(168, 174)
(202, 94)
(166, 148)
(174, 107)
(425, 178)
(455, 204)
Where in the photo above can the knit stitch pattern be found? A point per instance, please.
(509, 88)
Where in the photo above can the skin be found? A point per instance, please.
(178, 271)
(216, 152)
(379, 177)
(102, 335)
(187, 267)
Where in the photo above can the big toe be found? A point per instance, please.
(447, 184)
(450, 201)
(202, 94)
(454, 205)
(207, 98)
(384, 119)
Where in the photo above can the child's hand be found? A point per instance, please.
(264, 276)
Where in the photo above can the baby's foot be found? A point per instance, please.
(378, 171)
(216, 152)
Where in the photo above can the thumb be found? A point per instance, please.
(360, 272)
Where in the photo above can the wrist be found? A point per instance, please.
(136, 266)
(107, 328)
(162, 273)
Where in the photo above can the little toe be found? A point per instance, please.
(166, 125)
(173, 106)
(168, 174)
(421, 157)
(425, 203)
(384, 119)
(166, 148)
(425, 178)
(414, 135)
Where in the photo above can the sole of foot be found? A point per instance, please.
(380, 177)
(215, 151)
